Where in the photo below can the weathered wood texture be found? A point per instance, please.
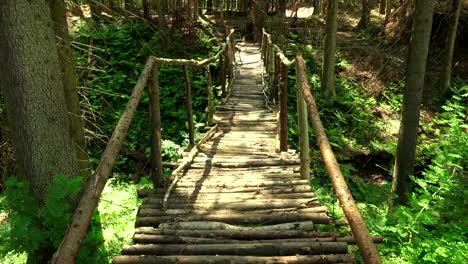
(239, 201)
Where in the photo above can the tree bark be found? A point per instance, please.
(219, 259)
(382, 6)
(76, 125)
(449, 47)
(241, 249)
(388, 10)
(415, 73)
(317, 5)
(146, 9)
(328, 67)
(34, 95)
(365, 15)
(258, 19)
(34, 99)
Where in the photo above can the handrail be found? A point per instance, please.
(306, 102)
(76, 232)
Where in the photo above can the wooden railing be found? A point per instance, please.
(276, 65)
(76, 232)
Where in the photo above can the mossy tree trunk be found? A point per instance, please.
(59, 19)
(449, 46)
(415, 73)
(328, 67)
(34, 98)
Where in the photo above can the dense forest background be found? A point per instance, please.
(110, 41)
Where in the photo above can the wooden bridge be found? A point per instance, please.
(240, 195)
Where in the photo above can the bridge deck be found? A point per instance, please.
(240, 201)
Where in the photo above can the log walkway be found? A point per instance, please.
(240, 201)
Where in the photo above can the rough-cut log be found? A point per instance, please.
(323, 259)
(303, 127)
(176, 173)
(194, 198)
(358, 227)
(232, 196)
(180, 212)
(283, 102)
(239, 206)
(241, 249)
(188, 107)
(68, 249)
(156, 171)
(318, 218)
(211, 225)
(244, 184)
(167, 239)
(255, 189)
(242, 233)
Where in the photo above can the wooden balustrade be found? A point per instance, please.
(306, 103)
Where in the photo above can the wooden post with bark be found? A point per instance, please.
(210, 106)
(156, 172)
(188, 106)
(283, 103)
(303, 127)
(358, 227)
(222, 78)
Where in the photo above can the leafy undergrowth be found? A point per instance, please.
(109, 59)
(111, 227)
(363, 132)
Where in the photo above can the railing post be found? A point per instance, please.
(271, 71)
(303, 126)
(222, 69)
(156, 172)
(210, 107)
(283, 103)
(188, 105)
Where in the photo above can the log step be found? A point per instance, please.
(223, 259)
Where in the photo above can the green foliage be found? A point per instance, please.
(31, 228)
(118, 56)
(113, 221)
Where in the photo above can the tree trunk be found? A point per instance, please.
(129, 6)
(383, 6)
(324, 6)
(57, 8)
(449, 47)
(388, 10)
(258, 18)
(415, 72)
(146, 9)
(365, 15)
(316, 7)
(328, 68)
(34, 99)
(209, 7)
(282, 7)
(34, 95)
